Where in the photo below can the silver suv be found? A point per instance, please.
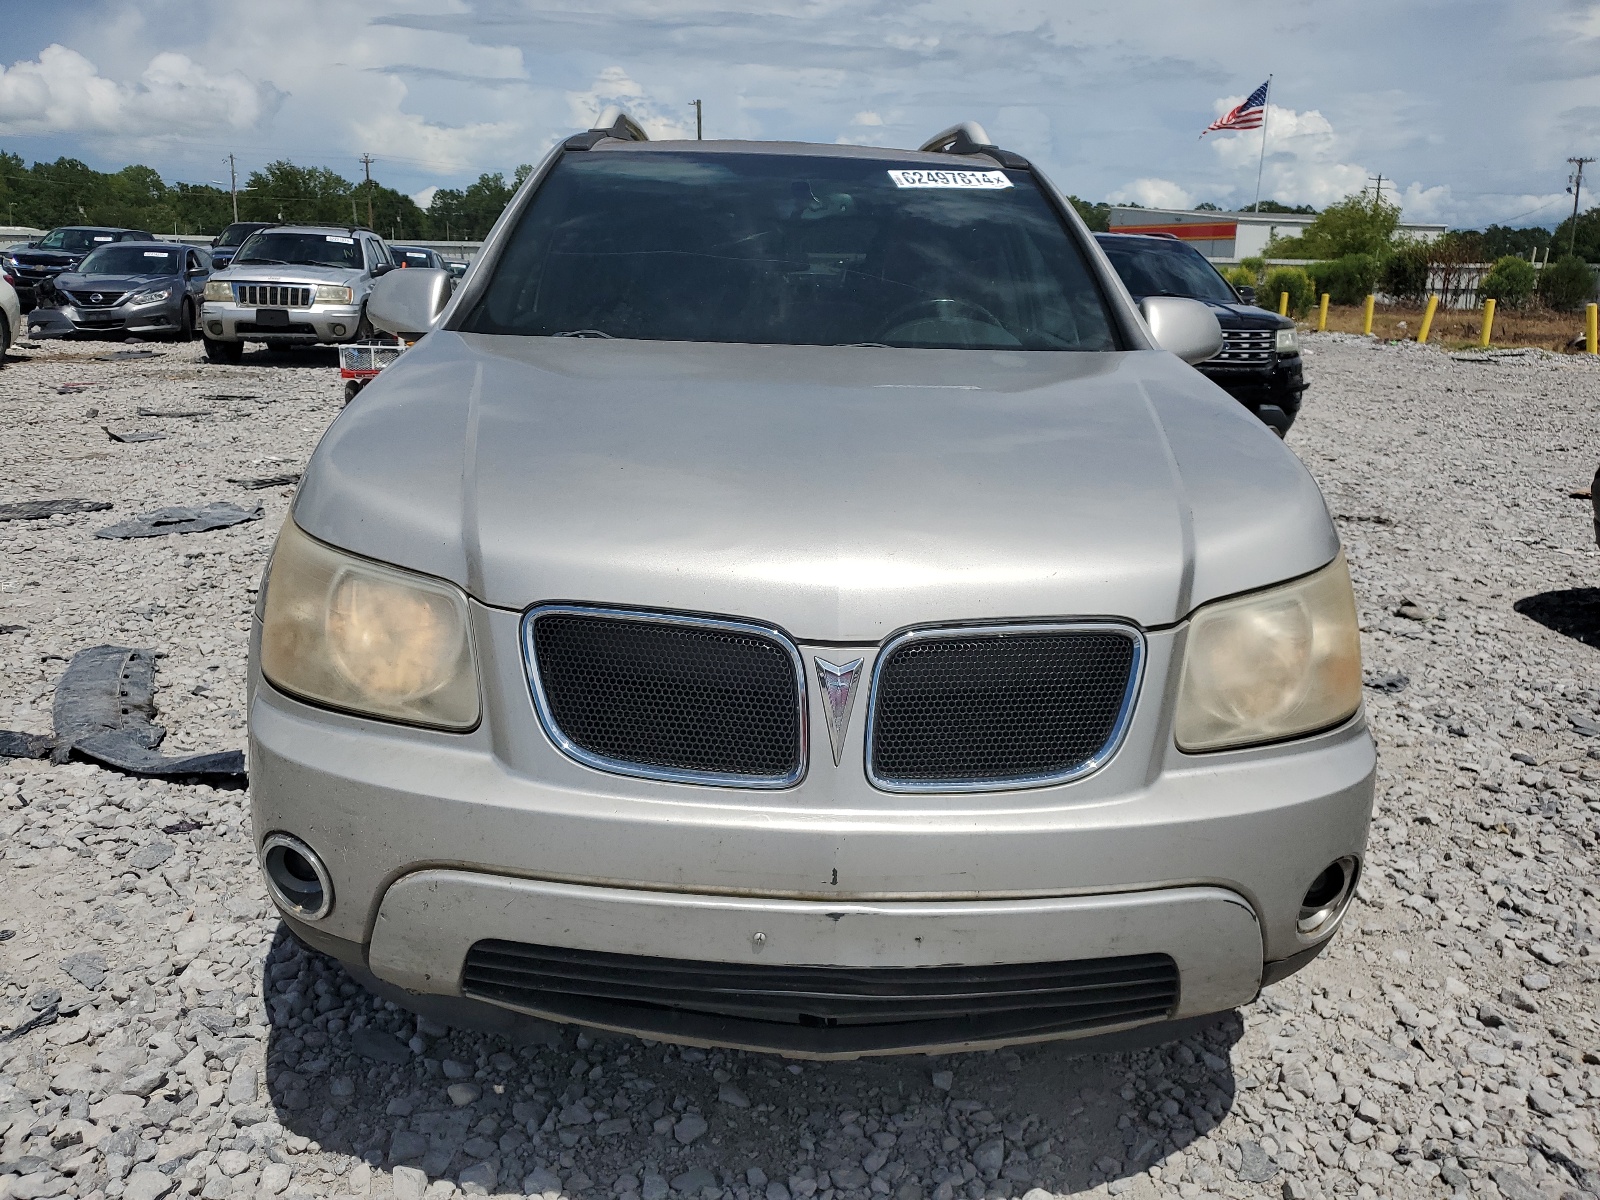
(293, 284)
(795, 599)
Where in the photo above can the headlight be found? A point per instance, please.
(362, 636)
(149, 296)
(219, 289)
(328, 294)
(1288, 342)
(1271, 665)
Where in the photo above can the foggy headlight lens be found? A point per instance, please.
(328, 294)
(218, 289)
(359, 635)
(1288, 342)
(1272, 665)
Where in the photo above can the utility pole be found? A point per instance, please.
(1378, 180)
(1575, 186)
(699, 121)
(366, 162)
(233, 186)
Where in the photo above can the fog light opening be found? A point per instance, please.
(338, 331)
(215, 327)
(296, 877)
(1327, 897)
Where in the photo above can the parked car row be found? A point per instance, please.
(292, 285)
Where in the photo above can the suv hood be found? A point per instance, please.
(1246, 316)
(48, 258)
(838, 492)
(292, 273)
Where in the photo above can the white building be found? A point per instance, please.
(1226, 237)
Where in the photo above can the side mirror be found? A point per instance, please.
(1247, 295)
(381, 269)
(406, 303)
(1187, 328)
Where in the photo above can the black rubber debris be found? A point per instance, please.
(182, 518)
(120, 355)
(267, 481)
(224, 396)
(104, 712)
(47, 1017)
(69, 389)
(39, 510)
(1388, 681)
(176, 412)
(133, 437)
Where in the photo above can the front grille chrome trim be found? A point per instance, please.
(614, 766)
(274, 295)
(1113, 743)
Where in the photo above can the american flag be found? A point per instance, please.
(1248, 115)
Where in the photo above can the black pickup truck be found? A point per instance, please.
(1259, 364)
(37, 263)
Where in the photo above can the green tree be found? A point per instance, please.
(1272, 206)
(1302, 295)
(1509, 282)
(1348, 280)
(1405, 272)
(1587, 246)
(1567, 284)
(1355, 225)
(282, 191)
(1096, 216)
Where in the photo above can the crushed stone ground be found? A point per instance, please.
(1446, 1045)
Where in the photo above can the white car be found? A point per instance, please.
(10, 314)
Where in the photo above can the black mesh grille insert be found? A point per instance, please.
(690, 698)
(1081, 994)
(993, 708)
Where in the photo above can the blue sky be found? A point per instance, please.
(1472, 108)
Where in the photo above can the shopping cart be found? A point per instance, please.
(360, 362)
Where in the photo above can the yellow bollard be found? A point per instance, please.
(1322, 314)
(1283, 304)
(1427, 319)
(1366, 317)
(1591, 329)
(1488, 324)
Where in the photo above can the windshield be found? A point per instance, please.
(1159, 267)
(300, 249)
(75, 239)
(794, 250)
(234, 235)
(130, 260)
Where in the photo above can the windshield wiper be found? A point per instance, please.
(586, 333)
(274, 262)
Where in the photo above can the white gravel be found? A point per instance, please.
(1446, 1045)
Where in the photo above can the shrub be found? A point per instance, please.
(1566, 284)
(1510, 281)
(1240, 276)
(1405, 275)
(1347, 280)
(1302, 295)
(1256, 265)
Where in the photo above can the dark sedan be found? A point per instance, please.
(1259, 365)
(57, 251)
(146, 288)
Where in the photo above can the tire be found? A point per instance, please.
(5, 338)
(186, 322)
(224, 352)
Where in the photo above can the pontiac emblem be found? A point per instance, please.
(838, 685)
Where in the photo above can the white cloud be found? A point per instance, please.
(866, 118)
(1153, 193)
(63, 92)
(425, 196)
(615, 86)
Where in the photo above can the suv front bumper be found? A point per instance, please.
(435, 843)
(327, 323)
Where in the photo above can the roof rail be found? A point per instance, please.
(971, 138)
(613, 123)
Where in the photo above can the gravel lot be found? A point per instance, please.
(1446, 1045)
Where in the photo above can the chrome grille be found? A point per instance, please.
(96, 299)
(1246, 346)
(887, 1004)
(668, 697)
(273, 295)
(1000, 707)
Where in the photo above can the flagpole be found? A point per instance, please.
(1266, 103)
